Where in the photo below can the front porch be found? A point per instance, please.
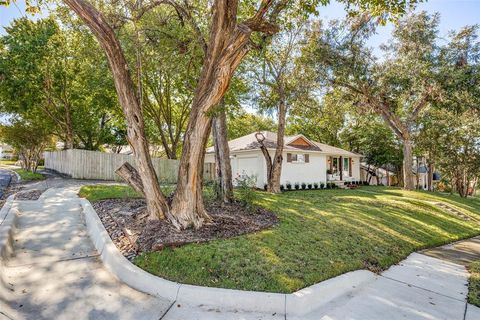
(339, 169)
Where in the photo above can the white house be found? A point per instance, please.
(5, 151)
(304, 160)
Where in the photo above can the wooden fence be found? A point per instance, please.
(85, 164)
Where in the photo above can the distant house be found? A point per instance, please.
(6, 151)
(378, 176)
(304, 160)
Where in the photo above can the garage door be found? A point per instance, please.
(248, 166)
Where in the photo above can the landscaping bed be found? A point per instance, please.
(127, 222)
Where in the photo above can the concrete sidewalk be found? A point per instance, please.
(56, 274)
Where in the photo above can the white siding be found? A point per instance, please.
(253, 163)
(313, 171)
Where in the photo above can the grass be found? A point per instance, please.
(28, 175)
(8, 162)
(322, 234)
(101, 192)
(474, 283)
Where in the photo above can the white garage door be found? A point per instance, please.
(248, 166)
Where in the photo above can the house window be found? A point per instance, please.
(298, 158)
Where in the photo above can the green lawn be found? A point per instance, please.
(100, 192)
(474, 284)
(322, 234)
(29, 176)
(8, 162)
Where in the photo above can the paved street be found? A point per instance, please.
(5, 178)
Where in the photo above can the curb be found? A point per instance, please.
(296, 304)
(8, 221)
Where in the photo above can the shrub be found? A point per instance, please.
(297, 186)
(282, 187)
(309, 186)
(245, 186)
(289, 186)
(315, 185)
(322, 185)
(346, 183)
(304, 185)
(328, 185)
(265, 187)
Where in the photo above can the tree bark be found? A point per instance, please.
(273, 184)
(430, 175)
(128, 173)
(408, 164)
(222, 157)
(156, 201)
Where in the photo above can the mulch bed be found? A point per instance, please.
(28, 195)
(126, 221)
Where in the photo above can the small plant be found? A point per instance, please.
(282, 187)
(297, 186)
(289, 186)
(315, 185)
(322, 185)
(246, 190)
(309, 186)
(304, 186)
(265, 186)
(346, 183)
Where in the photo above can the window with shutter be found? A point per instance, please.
(307, 158)
(289, 157)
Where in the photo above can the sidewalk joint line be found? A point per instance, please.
(412, 285)
(166, 311)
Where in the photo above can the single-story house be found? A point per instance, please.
(304, 160)
(6, 151)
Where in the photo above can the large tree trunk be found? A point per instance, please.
(69, 128)
(408, 175)
(430, 175)
(156, 202)
(222, 157)
(273, 184)
(187, 207)
(228, 44)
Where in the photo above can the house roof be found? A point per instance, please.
(249, 142)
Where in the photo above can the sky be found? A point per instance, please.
(454, 14)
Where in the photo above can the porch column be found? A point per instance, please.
(340, 166)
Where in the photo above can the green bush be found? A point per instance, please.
(246, 190)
